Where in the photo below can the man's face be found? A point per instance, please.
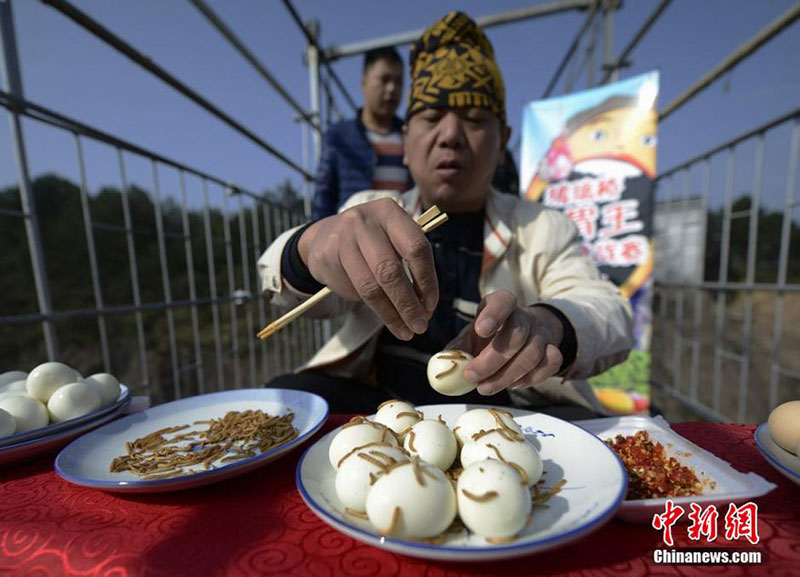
(452, 154)
(382, 85)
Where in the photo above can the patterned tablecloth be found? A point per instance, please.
(257, 524)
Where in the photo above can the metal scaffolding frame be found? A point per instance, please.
(259, 221)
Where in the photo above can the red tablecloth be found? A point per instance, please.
(257, 524)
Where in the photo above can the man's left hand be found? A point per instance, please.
(513, 346)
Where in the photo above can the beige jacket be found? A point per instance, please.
(530, 250)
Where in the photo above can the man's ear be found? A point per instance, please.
(405, 144)
(506, 137)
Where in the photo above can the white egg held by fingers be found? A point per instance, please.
(8, 424)
(360, 469)
(357, 433)
(28, 412)
(399, 416)
(414, 499)
(501, 446)
(473, 422)
(72, 401)
(106, 386)
(446, 373)
(433, 442)
(10, 377)
(493, 501)
(784, 425)
(45, 379)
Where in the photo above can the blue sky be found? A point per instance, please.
(66, 69)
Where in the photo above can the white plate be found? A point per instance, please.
(26, 450)
(85, 461)
(596, 484)
(54, 428)
(729, 485)
(777, 456)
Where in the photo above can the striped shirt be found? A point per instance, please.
(389, 174)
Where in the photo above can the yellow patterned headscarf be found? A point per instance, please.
(452, 65)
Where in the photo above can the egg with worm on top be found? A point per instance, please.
(446, 373)
(493, 500)
(360, 469)
(357, 433)
(433, 442)
(399, 416)
(473, 422)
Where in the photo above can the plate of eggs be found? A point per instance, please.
(461, 482)
(52, 404)
(778, 439)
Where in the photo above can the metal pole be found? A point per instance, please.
(571, 50)
(11, 72)
(622, 60)
(534, 11)
(745, 50)
(212, 287)
(137, 299)
(608, 40)
(93, 268)
(248, 306)
(187, 239)
(223, 29)
(162, 252)
(226, 228)
(312, 57)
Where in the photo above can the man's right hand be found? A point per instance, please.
(359, 255)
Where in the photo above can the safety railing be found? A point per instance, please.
(726, 332)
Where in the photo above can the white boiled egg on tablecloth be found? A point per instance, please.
(361, 468)
(414, 499)
(477, 420)
(433, 442)
(397, 415)
(28, 412)
(501, 446)
(493, 501)
(106, 386)
(357, 433)
(8, 424)
(45, 379)
(71, 401)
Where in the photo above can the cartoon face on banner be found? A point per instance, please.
(592, 155)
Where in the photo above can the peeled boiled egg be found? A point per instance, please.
(357, 433)
(397, 415)
(28, 412)
(15, 389)
(45, 379)
(8, 424)
(446, 373)
(360, 469)
(477, 420)
(106, 386)
(71, 401)
(500, 446)
(493, 501)
(433, 442)
(414, 499)
(12, 376)
(784, 425)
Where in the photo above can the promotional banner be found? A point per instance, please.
(592, 154)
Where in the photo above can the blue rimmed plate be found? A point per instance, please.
(57, 428)
(595, 487)
(86, 460)
(777, 456)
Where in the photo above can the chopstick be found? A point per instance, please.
(428, 220)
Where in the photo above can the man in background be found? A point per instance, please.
(365, 152)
